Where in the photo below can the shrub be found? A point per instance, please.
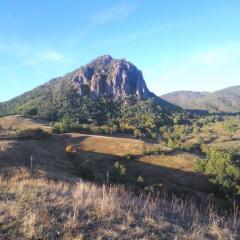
(200, 140)
(115, 128)
(71, 149)
(129, 157)
(85, 169)
(193, 147)
(31, 111)
(210, 137)
(196, 129)
(199, 166)
(35, 133)
(118, 172)
(140, 179)
(224, 170)
(138, 133)
(144, 149)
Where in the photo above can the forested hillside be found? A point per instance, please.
(107, 92)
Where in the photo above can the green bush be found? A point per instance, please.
(31, 111)
(200, 140)
(35, 133)
(140, 182)
(118, 173)
(85, 169)
(138, 133)
(223, 167)
(200, 166)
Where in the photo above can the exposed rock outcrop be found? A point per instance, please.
(111, 77)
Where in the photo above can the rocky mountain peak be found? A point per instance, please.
(104, 58)
(111, 77)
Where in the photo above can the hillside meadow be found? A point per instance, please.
(37, 208)
(111, 187)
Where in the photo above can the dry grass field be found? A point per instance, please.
(55, 204)
(49, 155)
(36, 208)
(173, 169)
(16, 122)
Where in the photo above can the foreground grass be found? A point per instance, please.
(38, 208)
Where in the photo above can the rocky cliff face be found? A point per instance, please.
(110, 77)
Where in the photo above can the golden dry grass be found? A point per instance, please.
(37, 208)
(173, 169)
(16, 122)
(180, 161)
(119, 146)
(49, 155)
(43, 209)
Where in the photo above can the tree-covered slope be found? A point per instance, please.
(44, 101)
(106, 91)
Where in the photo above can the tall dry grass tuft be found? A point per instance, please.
(37, 208)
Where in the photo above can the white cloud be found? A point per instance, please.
(31, 56)
(51, 56)
(114, 13)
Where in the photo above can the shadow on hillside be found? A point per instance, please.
(175, 180)
(182, 183)
(49, 155)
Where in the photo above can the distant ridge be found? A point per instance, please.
(226, 100)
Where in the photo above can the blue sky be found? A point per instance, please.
(178, 45)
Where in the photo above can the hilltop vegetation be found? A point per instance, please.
(106, 94)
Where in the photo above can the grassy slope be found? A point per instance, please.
(173, 169)
(36, 208)
(19, 122)
(69, 209)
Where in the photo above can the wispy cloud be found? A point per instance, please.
(32, 56)
(131, 37)
(114, 13)
(52, 56)
(218, 56)
(45, 56)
